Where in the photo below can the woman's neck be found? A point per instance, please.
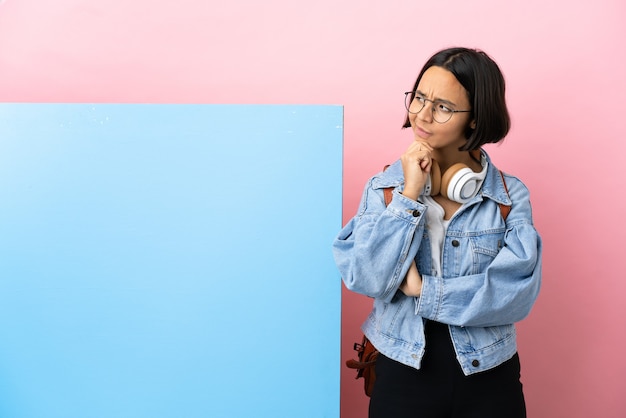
(446, 158)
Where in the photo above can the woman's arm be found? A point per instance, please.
(412, 283)
(507, 288)
(376, 248)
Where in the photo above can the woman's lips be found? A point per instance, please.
(421, 132)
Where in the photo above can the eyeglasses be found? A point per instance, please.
(415, 102)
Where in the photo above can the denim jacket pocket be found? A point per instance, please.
(479, 338)
(485, 247)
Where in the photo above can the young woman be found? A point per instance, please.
(453, 261)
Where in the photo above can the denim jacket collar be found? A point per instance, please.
(492, 188)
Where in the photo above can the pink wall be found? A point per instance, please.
(564, 62)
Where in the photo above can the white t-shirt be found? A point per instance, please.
(437, 229)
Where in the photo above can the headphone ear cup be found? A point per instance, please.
(435, 178)
(450, 179)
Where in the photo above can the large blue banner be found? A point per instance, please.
(169, 260)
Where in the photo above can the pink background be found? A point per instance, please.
(564, 63)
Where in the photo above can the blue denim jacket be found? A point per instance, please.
(491, 270)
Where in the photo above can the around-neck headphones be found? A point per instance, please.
(458, 183)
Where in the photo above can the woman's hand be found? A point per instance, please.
(416, 164)
(412, 284)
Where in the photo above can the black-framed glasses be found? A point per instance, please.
(415, 102)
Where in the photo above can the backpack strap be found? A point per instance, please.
(387, 191)
(504, 209)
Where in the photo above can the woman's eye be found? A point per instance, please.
(443, 109)
(420, 99)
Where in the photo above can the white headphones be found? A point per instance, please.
(459, 183)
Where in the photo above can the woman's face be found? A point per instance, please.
(441, 86)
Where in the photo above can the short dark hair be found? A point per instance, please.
(484, 84)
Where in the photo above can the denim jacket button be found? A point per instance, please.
(455, 243)
(475, 363)
(416, 213)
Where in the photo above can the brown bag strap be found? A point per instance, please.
(354, 364)
(504, 209)
(387, 191)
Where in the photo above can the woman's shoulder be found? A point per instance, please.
(514, 186)
(390, 176)
(502, 186)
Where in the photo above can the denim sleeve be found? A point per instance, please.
(505, 291)
(374, 250)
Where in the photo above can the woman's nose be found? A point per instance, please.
(426, 114)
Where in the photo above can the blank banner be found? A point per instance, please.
(169, 260)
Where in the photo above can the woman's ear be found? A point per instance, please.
(473, 124)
